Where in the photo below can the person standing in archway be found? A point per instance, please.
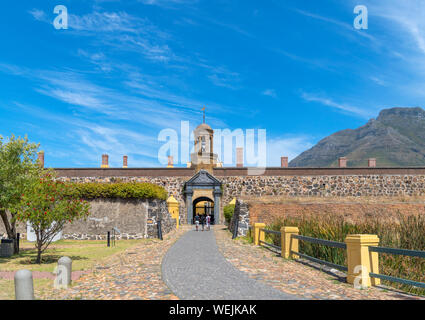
(203, 221)
(197, 221)
(208, 221)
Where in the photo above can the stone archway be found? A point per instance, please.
(203, 184)
(203, 206)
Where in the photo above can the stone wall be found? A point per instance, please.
(173, 185)
(130, 217)
(327, 183)
(323, 186)
(241, 217)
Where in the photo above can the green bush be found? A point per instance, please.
(121, 190)
(228, 212)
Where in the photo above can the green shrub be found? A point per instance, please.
(228, 212)
(121, 190)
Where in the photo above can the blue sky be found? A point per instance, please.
(125, 70)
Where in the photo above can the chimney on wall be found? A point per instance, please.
(125, 162)
(371, 162)
(342, 162)
(239, 157)
(170, 162)
(105, 161)
(41, 159)
(284, 162)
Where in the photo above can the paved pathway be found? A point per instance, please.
(193, 268)
(303, 278)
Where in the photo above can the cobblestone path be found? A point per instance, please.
(309, 280)
(208, 265)
(132, 275)
(193, 268)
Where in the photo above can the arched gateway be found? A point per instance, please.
(203, 187)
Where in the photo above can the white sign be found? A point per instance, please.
(31, 236)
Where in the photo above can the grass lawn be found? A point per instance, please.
(7, 291)
(84, 254)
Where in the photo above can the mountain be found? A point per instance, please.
(395, 138)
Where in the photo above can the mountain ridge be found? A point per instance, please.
(396, 138)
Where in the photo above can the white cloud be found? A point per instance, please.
(340, 106)
(167, 3)
(99, 59)
(290, 147)
(402, 27)
(38, 14)
(88, 140)
(118, 30)
(344, 26)
(407, 15)
(270, 93)
(379, 81)
(223, 80)
(107, 22)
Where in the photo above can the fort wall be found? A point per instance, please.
(307, 183)
(135, 219)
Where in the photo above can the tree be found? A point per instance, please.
(17, 164)
(47, 204)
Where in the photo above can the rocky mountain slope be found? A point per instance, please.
(395, 138)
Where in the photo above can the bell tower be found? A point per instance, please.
(204, 156)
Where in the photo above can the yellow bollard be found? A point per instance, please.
(288, 243)
(360, 261)
(257, 233)
(173, 209)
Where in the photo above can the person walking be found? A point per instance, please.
(197, 221)
(203, 221)
(208, 221)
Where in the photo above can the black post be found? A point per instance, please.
(109, 238)
(18, 236)
(235, 229)
(159, 230)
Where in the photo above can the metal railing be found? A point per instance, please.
(268, 243)
(328, 243)
(404, 252)
(354, 244)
